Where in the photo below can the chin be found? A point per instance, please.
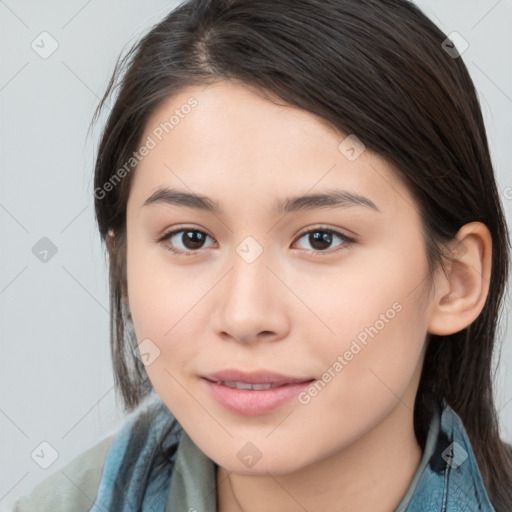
(279, 463)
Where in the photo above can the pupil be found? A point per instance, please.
(192, 239)
(322, 238)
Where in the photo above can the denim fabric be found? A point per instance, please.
(448, 479)
(135, 477)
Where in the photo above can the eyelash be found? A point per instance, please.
(347, 241)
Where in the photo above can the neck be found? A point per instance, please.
(373, 473)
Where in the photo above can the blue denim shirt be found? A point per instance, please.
(446, 480)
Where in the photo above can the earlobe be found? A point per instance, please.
(462, 290)
(110, 241)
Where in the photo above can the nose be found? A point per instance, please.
(252, 302)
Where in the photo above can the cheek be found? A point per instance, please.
(165, 304)
(156, 293)
(381, 355)
(372, 367)
(375, 361)
(378, 324)
(162, 306)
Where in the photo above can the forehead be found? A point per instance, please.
(230, 142)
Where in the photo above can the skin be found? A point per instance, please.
(292, 310)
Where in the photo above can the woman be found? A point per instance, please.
(307, 261)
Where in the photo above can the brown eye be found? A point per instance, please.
(321, 240)
(184, 241)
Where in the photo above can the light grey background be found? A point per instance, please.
(56, 381)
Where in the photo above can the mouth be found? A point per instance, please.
(253, 393)
(246, 385)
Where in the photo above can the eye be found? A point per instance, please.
(321, 238)
(190, 239)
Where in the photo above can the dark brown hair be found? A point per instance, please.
(373, 68)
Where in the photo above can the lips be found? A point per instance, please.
(253, 393)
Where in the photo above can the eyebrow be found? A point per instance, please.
(332, 198)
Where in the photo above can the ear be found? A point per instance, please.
(461, 291)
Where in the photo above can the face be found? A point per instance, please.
(322, 299)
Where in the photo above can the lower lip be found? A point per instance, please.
(251, 402)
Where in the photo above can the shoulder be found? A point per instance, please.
(74, 487)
